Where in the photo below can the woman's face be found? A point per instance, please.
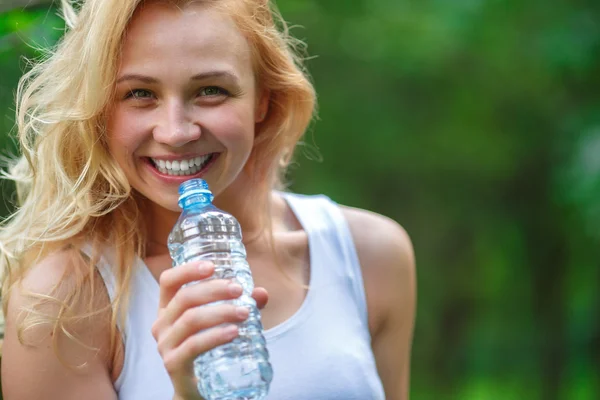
(186, 101)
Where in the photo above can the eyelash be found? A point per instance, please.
(222, 92)
(132, 93)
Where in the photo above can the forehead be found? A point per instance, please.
(194, 33)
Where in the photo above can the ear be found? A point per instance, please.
(262, 107)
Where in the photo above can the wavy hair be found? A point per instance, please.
(70, 191)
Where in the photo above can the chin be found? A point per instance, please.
(172, 208)
(171, 205)
(168, 204)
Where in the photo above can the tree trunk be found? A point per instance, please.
(6, 5)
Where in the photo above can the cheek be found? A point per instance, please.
(231, 123)
(124, 132)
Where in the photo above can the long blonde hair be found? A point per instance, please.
(70, 191)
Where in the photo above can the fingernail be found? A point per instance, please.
(231, 330)
(235, 289)
(204, 266)
(242, 311)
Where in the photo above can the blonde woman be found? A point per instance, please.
(136, 98)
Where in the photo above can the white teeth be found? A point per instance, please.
(181, 167)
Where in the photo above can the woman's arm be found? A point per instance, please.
(387, 262)
(33, 370)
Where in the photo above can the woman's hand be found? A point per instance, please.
(183, 330)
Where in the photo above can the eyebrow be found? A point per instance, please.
(197, 77)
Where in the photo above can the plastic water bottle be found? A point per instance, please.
(239, 369)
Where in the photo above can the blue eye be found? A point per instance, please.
(139, 94)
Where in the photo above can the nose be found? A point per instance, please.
(174, 126)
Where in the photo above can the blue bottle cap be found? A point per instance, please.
(194, 186)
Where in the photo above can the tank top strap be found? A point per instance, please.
(104, 267)
(324, 221)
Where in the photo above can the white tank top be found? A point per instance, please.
(322, 352)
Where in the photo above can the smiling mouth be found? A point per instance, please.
(184, 167)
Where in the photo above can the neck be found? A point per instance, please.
(248, 206)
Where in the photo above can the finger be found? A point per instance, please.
(194, 296)
(200, 294)
(180, 358)
(173, 278)
(197, 319)
(261, 296)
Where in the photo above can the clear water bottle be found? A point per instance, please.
(239, 369)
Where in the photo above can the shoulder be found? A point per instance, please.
(65, 276)
(387, 262)
(51, 276)
(378, 239)
(61, 284)
(51, 325)
(52, 273)
(386, 256)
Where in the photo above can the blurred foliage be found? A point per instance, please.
(476, 125)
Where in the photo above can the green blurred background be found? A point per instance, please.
(476, 125)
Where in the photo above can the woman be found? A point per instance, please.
(138, 97)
